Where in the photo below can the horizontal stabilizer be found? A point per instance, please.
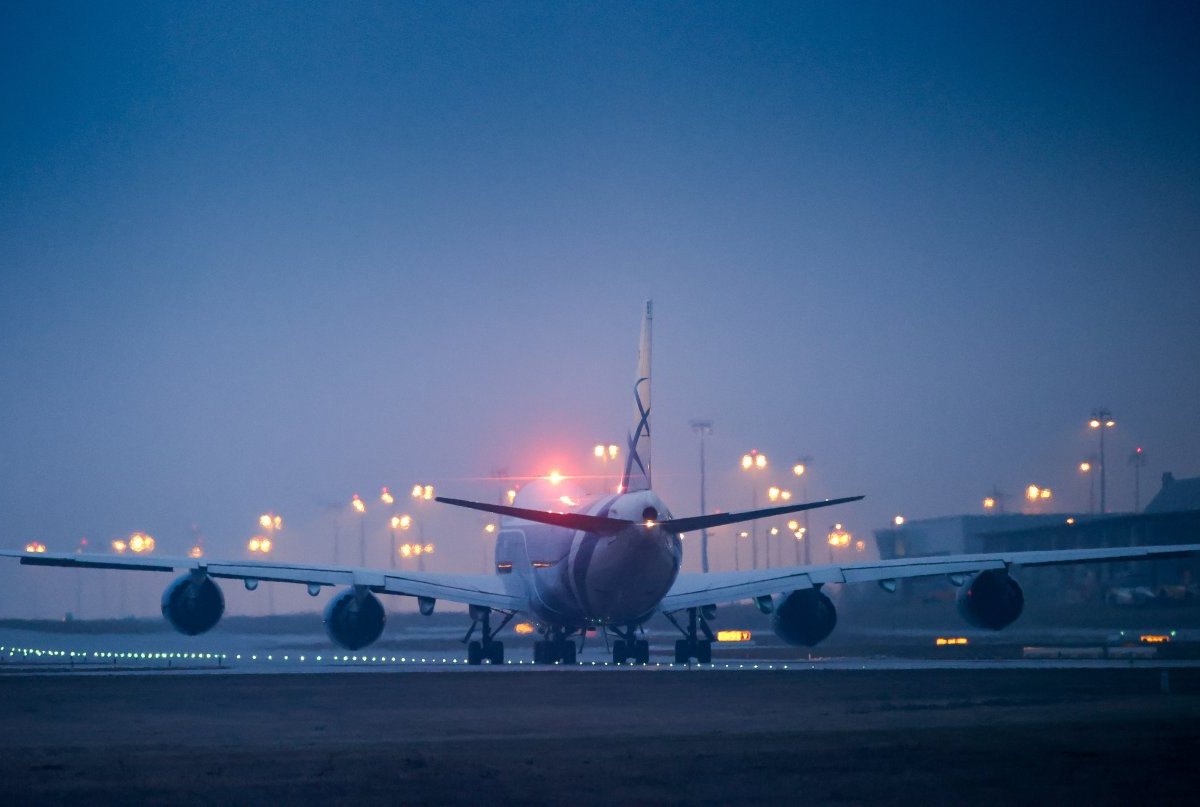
(572, 521)
(678, 525)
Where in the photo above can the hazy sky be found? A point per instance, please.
(263, 256)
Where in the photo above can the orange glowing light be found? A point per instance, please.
(773, 493)
(733, 636)
(989, 503)
(838, 536)
(747, 461)
(140, 542)
(613, 450)
(511, 495)
(405, 550)
(195, 552)
(1071, 520)
(489, 528)
(943, 641)
(428, 549)
(427, 492)
(1084, 467)
(265, 521)
(798, 469)
(785, 495)
(555, 477)
(1154, 638)
(1032, 492)
(395, 522)
(793, 525)
(405, 521)
(523, 628)
(35, 547)
(358, 504)
(119, 546)
(386, 497)
(417, 491)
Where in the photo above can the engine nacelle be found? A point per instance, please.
(992, 600)
(354, 619)
(193, 604)
(804, 617)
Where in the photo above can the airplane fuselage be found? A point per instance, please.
(578, 579)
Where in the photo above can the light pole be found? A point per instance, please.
(754, 461)
(800, 471)
(1086, 469)
(703, 428)
(606, 454)
(1102, 420)
(775, 494)
(387, 498)
(1137, 459)
(838, 536)
(361, 509)
(271, 524)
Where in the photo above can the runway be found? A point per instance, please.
(551, 736)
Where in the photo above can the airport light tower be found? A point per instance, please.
(1102, 421)
(703, 428)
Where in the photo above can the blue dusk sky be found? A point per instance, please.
(263, 256)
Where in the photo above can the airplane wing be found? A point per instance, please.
(468, 589)
(698, 590)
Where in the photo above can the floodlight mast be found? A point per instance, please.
(703, 428)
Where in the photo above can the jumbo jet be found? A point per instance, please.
(608, 563)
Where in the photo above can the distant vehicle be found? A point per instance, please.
(1131, 596)
(601, 563)
(1180, 594)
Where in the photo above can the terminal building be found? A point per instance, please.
(1172, 517)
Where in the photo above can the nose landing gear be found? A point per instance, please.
(691, 646)
(558, 647)
(628, 648)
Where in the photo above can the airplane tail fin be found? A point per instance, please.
(637, 450)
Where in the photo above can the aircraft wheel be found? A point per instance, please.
(474, 653)
(683, 651)
(641, 652)
(704, 651)
(567, 654)
(495, 652)
(620, 653)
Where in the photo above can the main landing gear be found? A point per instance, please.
(485, 647)
(629, 648)
(557, 648)
(691, 646)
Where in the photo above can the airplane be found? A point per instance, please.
(606, 563)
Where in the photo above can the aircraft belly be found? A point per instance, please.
(627, 575)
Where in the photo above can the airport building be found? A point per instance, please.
(1172, 517)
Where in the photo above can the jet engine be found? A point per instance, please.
(354, 618)
(993, 600)
(193, 604)
(804, 617)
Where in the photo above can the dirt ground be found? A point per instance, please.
(624, 737)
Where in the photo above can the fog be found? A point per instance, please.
(260, 260)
